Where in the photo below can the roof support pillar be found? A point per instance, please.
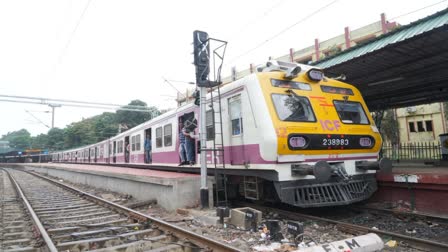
(347, 37)
(383, 23)
(316, 48)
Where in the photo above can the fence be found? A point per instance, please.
(412, 151)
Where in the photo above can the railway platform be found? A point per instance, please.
(414, 187)
(172, 190)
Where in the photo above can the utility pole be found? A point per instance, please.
(53, 106)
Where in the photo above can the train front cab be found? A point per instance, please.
(325, 136)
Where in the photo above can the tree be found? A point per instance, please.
(55, 139)
(445, 108)
(389, 127)
(19, 140)
(39, 142)
(134, 118)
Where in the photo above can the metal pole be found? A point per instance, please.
(52, 116)
(202, 134)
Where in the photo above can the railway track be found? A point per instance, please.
(346, 225)
(72, 220)
(16, 232)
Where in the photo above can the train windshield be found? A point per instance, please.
(293, 108)
(351, 112)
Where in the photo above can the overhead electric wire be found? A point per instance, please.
(46, 101)
(35, 117)
(282, 31)
(72, 34)
(414, 11)
(152, 111)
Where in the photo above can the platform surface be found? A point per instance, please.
(123, 170)
(418, 173)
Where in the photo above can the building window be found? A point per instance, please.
(167, 134)
(420, 126)
(235, 115)
(210, 125)
(412, 127)
(428, 125)
(159, 137)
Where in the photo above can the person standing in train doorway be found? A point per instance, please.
(182, 149)
(148, 148)
(127, 153)
(188, 131)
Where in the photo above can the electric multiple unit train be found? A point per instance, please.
(289, 133)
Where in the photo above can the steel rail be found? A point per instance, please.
(435, 246)
(49, 243)
(391, 211)
(206, 243)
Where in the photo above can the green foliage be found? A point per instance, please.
(389, 127)
(19, 140)
(445, 108)
(39, 141)
(130, 119)
(85, 132)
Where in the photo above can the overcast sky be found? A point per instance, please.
(115, 51)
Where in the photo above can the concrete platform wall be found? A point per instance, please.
(170, 193)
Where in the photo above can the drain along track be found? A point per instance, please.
(70, 219)
(351, 228)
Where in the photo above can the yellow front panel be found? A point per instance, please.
(327, 119)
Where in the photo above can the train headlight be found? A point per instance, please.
(297, 142)
(365, 142)
(315, 74)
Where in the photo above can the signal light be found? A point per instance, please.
(197, 97)
(201, 57)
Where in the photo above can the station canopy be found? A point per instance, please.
(405, 67)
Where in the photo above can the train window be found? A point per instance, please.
(167, 135)
(336, 90)
(133, 143)
(290, 84)
(159, 137)
(293, 108)
(351, 112)
(120, 146)
(210, 127)
(137, 142)
(235, 115)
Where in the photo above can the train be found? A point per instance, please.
(289, 133)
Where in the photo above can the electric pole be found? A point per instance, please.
(53, 106)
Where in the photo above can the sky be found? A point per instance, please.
(115, 51)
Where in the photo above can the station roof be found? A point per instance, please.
(405, 67)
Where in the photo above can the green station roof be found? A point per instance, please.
(404, 67)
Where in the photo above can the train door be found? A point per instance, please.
(189, 126)
(114, 159)
(237, 150)
(109, 152)
(148, 146)
(95, 153)
(127, 149)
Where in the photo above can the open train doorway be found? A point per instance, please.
(148, 146)
(127, 149)
(114, 157)
(95, 154)
(188, 135)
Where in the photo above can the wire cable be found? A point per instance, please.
(414, 11)
(72, 34)
(282, 31)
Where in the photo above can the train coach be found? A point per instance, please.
(289, 134)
